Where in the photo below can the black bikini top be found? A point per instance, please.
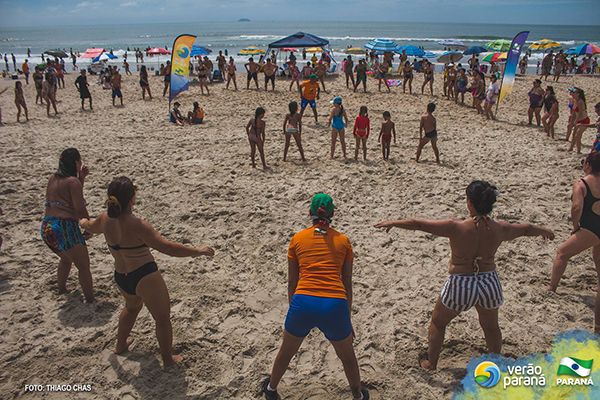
(117, 247)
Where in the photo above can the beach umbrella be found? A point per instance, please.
(314, 50)
(290, 49)
(453, 44)
(355, 50)
(382, 45)
(450, 57)
(492, 57)
(251, 51)
(158, 51)
(56, 53)
(545, 45)
(584, 49)
(499, 45)
(104, 57)
(411, 51)
(428, 54)
(502, 56)
(199, 51)
(474, 50)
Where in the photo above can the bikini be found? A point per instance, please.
(589, 219)
(585, 121)
(128, 281)
(431, 134)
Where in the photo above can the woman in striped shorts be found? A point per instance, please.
(473, 279)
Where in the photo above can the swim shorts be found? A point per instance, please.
(129, 281)
(431, 134)
(330, 315)
(117, 93)
(61, 234)
(463, 291)
(269, 78)
(252, 75)
(304, 102)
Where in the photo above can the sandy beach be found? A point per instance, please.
(196, 186)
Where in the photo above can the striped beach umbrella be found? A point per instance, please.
(499, 45)
(545, 45)
(251, 51)
(584, 49)
(382, 45)
(492, 57)
(411, 50)
(104, 57)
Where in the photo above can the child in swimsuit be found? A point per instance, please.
(362, 128)
(338, 121)
(551, 111)
(292, 127)
(255, 129)
(388, 127)
(428, 125)
(20, 100)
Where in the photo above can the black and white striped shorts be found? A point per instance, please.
(461, 292)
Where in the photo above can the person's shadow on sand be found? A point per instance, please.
(74, 313)
(151, 382)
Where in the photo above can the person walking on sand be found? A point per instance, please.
(115, 84)
(255, 129)
(144, 83)
(320, 70)
(25, 68)
(407, 73)
(38, 80)
(585, 217)
(296, 75)
(310, 92)
(269, 70)
(536, 95)
(65, 206)
(252, 72)
(361, 74)
(429, 126)
(231, 74)
(491, 97)
(427, 77)
(362, 128)
(49, 93)
(167, 78)
(202, 72)
(129, 239)
(348, 71)
(20, 101)
(582, 119)
(473, 279)
(388, 127)
(82, 86)
(382, 75)
(292, 126)
(551, 111)
(338, 121)
(126, 66)
(320, 262)
(547, 65)
(221, 63)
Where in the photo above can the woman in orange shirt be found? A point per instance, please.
(320, 295)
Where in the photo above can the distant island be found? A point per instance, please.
(243, 20)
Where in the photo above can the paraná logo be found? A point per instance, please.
(487, 374)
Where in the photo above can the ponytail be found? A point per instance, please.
(120, 192)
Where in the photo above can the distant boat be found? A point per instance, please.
(243, 20)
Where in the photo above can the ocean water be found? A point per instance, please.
(234, 36)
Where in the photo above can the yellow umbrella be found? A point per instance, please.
(503, 56)
(251, 51)
(544, 45)
(355, 50)
(314, 50)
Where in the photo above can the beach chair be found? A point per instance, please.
(332, 69)
(217, 77)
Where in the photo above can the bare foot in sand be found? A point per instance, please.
(121, 348)
(425, 364)
(175, 359)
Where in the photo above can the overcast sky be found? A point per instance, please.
(77, 12)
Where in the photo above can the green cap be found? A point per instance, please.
(313, 76)
(322, 200)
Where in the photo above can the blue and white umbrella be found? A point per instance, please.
(199, 51)
(428, 54)
(104, 57)
(382, 45)
(475, 50)
(450, 57)
(411, 50)
(453, 44)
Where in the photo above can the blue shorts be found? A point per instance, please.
(330, 315)
(117, 93)
(304, 102)
(61, 234)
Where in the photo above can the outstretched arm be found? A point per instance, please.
(153, 239)
(513, 231)
(92, 225)
(445, 227)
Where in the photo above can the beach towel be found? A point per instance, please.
(394, 82)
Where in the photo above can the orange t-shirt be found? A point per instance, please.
(320, 252)
(25, 68)
(310, 90)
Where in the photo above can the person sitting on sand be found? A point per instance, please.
(175, 115)
(292, 126)
(252, 71)
(429, 126)
(196, 116)
(551, 111)
(255, 129)
(582, 119)
(144, 83)
(388, 127)
(320, 262)
(82, 86)
(473, 278)
(338, 121)
(362, 128)
(231, 73)
(536, 95)
(585, 217)
(20, 101)
(65, 206)
(129, 240)
(310, 92)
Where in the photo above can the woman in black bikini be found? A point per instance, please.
(38, 78)
(408, 77)
(585, 214)
(231, 73)
(129, 239)
(255, 129)
(20, 101)
(144, 83)
(202, 71)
